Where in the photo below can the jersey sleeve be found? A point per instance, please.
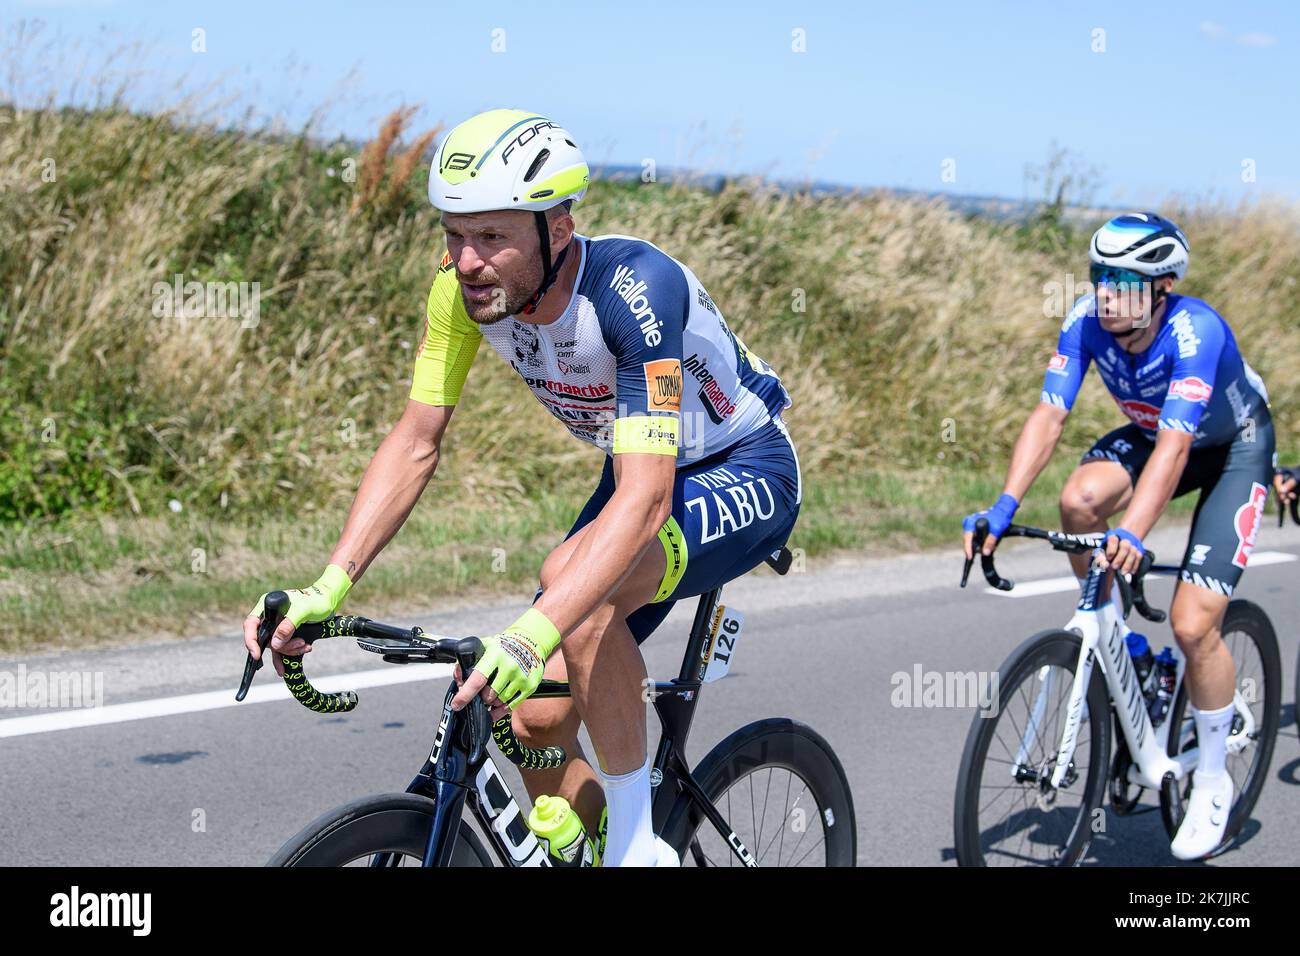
(1199, 340)
(1068, 365)
(643, 310)
(449, 344)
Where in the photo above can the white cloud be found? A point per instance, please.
(1258, 40)
(1217, 31)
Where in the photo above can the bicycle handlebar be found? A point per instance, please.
(1133, 588)
(398, 646)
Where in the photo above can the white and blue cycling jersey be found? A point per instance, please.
(1191, 378)
(640, 343)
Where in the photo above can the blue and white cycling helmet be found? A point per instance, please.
(1141, 242)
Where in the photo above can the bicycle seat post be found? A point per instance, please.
(693, 661)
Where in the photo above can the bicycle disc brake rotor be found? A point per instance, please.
(1124, 796)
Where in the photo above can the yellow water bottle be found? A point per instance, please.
(561, 832)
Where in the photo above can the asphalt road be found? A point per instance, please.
(194, 779)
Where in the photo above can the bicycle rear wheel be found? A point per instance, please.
(386, 830)
(1006, 812)
(1250, 637)
(782, 790)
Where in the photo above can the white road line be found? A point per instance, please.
(213, 700)
(1028, 589)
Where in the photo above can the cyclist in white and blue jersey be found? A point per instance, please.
(622, 344)
(1198, 421)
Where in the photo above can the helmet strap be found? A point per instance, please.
(550, 271)
(1157, 295)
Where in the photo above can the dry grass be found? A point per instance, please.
(888, 318)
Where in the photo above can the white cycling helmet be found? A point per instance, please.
(506, 159)
(1141, 242)
(510, 159)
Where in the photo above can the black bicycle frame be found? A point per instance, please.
(459, 770)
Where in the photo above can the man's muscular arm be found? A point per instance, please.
(1159, 479)
(394, 480)
(401, 467)
(615, 541)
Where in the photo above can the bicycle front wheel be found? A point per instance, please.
(1007, 811)
(387, 830)
(782, 791)
(1249, 635)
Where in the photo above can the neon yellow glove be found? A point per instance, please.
(315, 603)
(513, 660)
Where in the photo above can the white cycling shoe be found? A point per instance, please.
(1208, 807)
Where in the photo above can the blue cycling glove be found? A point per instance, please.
(1000, 515)
(1125, 535)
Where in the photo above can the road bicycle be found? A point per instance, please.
(771, 793)
(1034, 773)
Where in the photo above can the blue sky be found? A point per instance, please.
(885, 93)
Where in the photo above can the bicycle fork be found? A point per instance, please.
(1074, 713)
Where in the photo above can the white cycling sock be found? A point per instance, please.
(630, 840)
(1212, 727)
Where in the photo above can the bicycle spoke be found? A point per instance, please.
(821, 842)
(1013, 789)
(788, 814)
(1020, 825)
(764, 837)
(788, 780)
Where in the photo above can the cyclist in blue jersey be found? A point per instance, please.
(1198, 421)
(623, 345)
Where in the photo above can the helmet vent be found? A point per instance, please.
(1159, 254)
(533, 170)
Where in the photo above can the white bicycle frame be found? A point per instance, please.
(1102, 628)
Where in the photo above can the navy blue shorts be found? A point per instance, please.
(730, 512)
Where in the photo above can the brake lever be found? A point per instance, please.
(273, 608)
(1138, 587)
(468, 651)
(976, 543)
(991, 575)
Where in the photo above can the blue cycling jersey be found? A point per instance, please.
(1191, 378)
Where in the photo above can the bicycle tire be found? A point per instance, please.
(1056, 648)
(385, 823)
(1248, 618)
(777, 743)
